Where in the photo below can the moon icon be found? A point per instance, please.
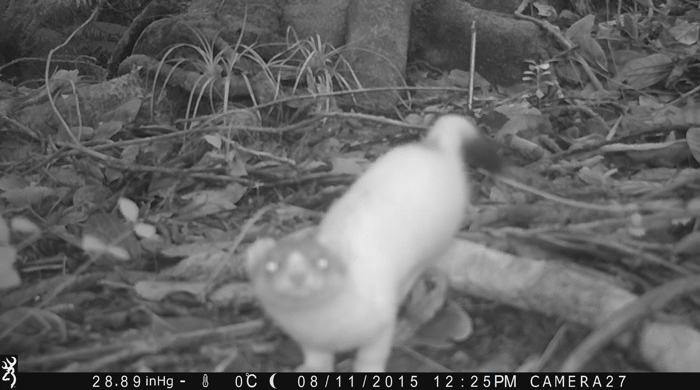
(272, 381)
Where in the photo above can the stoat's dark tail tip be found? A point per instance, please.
(483, 153)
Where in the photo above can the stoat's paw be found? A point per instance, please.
(373, 357)
(317, 361)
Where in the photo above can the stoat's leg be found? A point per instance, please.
(372, 357)
(316, 361)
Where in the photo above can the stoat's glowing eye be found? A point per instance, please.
(322, 263)
(272, 266)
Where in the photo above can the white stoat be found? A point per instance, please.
(339, 287)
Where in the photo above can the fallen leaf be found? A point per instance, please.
(158, 290)
(449, 325)
(350, 166)
(27, 196)
(8, 274)
(688, 245)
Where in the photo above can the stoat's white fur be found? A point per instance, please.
(398, 217)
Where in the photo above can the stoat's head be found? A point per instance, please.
(295, 270)
(456, 136)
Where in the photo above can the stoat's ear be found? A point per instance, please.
(257, 251)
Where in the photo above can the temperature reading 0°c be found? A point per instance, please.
(248, 381)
